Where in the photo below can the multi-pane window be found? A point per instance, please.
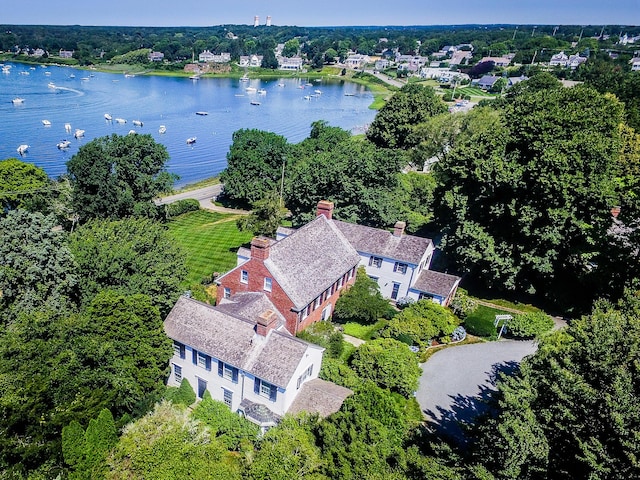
(177, 372)
(340, 283)
(204, 361)
(244, 276)
(228, 397)
(394, 292)
(400, 268)
(317, 303)
(228, 372)
(375, 262)
(267, 284)
(264, 389)
(306, 374)
(227, 292)
(178, 349)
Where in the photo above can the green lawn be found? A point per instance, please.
(480, 322)
(364, 332)
(474, 92)
(210, 241)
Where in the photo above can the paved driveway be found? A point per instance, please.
(456, 381)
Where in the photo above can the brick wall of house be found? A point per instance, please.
(257, 273)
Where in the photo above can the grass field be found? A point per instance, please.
(210, 241)
(480, 322)
(474, 92)
(364, 332)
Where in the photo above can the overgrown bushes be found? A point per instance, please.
(182, 395)
(529, 325)
(421, 322)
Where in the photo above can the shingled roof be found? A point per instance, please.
(319, 396)
(231, 338)
(437, 283)
(406, 248)
(310, 260)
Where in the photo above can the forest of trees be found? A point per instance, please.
(522, 193)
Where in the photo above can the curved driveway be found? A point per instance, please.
(456, 381)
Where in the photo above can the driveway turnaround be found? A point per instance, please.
(457, 381)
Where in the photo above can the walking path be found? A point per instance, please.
(205, 196)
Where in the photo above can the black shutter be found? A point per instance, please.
(220, 368)
(274, 393)
(370, 261)
(208, 362)
(194, 356)
(182, 351)
(234, 375)
(256, 386)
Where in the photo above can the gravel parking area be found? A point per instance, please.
(456, 381)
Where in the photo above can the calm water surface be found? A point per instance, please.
(64, 95)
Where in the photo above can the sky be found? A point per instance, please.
(324, 13)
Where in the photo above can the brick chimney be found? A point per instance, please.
(398, 229)
(615, 211)
(260, 248)
(266, 322)
(325, 207)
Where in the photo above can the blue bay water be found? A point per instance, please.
(81, 98)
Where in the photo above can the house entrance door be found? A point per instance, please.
(202, 387)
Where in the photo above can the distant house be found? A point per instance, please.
(381, 64)
(356, 61)
(635, 64)
(65, 53)
(238, 352)
(503, 61)
(207, 57)
(252, 61)
(559, 60)
(289, 63)
(156, 56)
(515, 80)
(460, 57)
(575, 61)
(38, 52)
(301, 274)
(486, 82)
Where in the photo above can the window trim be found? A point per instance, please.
(400, 267)
(268, 282)
(375, 261)
(177, 372)
(226, 292)
(244, 276)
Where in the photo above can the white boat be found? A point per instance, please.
(79, 133)
(63, 144)
(22, 149)
(138, 123)
(202, 113)
(349, 94)
(129, 75)
(262, 91)
(281, 84)
(308, 84)
(46, 123)
(250, 90)
(51, 85)
(244, 78)
(107, 117)
(132, 132)
(84, 78)
(46, 73)
(67, 127)
(120, 120)
(319, 92)
(72, 76)
(162, 129)
(195, 77)
(24, 73)
(191, 140)
(18, 101)
(307, 97)
(255, 102)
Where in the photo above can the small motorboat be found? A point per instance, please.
(191, 140)
(120, 120)
(46, 123)
(262, 91)
(307, 97)
(281, 84)
(79, 133)
(22, 149)
(63, 144)
(67, 127)
(132, 132)
(51, 85)
(319, 92)
(255, 102)
(108, 117)
(17, 101)
(202, 113)
(250, 90)
(138, 123)
(162, 129)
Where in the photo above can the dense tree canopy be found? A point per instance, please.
(412, 105)
(362, 303)
(525, 192)
(131, 256)
(572, 411)
(22, 185)
(118, 176)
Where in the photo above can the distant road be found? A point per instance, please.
(205, 196)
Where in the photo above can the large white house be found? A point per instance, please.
(239, 353)
(398, 262)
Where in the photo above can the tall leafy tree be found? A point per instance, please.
(22, 185)
(118, 176)
(412, 105)
(254, 165)
(130, 255)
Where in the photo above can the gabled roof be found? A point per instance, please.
(436, 283)
(375, 241)
(249, 305)
(232, 339)
(309, 261)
